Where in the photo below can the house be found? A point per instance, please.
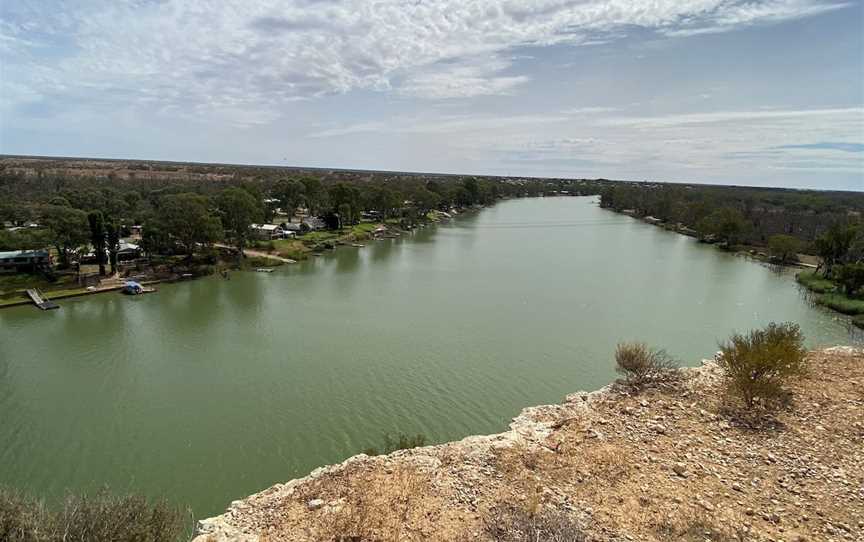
(267, 232)
(17, 261)
(128, 251)
(293, 228)
(314, 223)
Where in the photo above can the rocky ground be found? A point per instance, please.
(672, 462)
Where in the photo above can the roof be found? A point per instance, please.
(23, 254)
(265, 227)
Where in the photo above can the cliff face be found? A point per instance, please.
(666, 463)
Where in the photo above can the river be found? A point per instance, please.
(213, 389)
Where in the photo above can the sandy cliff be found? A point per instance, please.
(667, 463)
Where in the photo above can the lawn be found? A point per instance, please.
(12, 287)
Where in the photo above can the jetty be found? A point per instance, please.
(40, 301)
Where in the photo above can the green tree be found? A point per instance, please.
(850, 276)
(239, 211)
(315, 194)
(112, 238)
(834, 245)
(344, 211)
(425, 200)
(67, 229)
(290, 194)
(784, 248)
(97, 238)
(186, 219)
(344, 194)
(726, 224)
(155, 238)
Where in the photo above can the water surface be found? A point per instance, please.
(210, 390)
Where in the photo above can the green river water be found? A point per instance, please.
(213, 389)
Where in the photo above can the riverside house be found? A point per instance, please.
(20, 261)
(267, 232)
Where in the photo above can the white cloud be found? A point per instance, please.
(248, 54)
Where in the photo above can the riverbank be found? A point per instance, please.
(263, 254)
(829, 294)
(759, 253)
(664, 464)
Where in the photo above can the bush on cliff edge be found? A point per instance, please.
(758, 364)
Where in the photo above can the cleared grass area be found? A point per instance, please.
(12, 287)
(291, 248)
(815, 282)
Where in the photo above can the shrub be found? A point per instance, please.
(757, 364)
(98, 518)
(641, 364)
(509, 523)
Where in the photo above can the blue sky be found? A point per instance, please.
(762, 92)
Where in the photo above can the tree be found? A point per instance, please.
(316, 195)
(850, 276)
(97, 238)
(290, 194)
(67, 229)
(112, 230)
(344, 214)
(344, 194)
(784, 248)
(186, 219)
(726, 224)
(425, 200)
(834, 245)
(759, 363)
(155, 239)
(239, 211)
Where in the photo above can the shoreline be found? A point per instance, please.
(751, 252)
(341, 238)
(442, 491)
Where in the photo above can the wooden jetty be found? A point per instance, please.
(40, 301)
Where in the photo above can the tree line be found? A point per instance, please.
(185, 216)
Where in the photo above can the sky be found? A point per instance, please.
(757, 92)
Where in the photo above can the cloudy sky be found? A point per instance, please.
(764, 92)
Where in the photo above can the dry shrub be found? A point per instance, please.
(376, 508)
(511, 523)
(759, 363)
(102, 517)
(641, 364)
(605, 461)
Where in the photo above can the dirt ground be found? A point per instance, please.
(668, 463)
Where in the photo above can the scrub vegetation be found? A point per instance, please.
(102, 517)
(759, 364)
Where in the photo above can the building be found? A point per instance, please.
(314, 223)
(267, 232)
(128, 251)
(19, 261)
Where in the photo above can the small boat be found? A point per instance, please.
(264, 269)
(135, 288)
(357, 245)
